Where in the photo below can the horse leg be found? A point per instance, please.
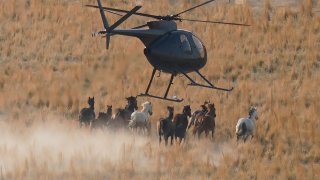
(171, 140)
(166, 140)
(194, 132)
(149, 129)
(251, 137)
(199, 133)
(159, 138)
(212, 131)
(245, 138)
(238, 137)
(206, 132)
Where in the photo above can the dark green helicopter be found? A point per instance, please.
(168, 49)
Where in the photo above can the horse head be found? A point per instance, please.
(211, 106)
(109, 108)
(204, 107)
(147, 106)
(132, 102)
(91, 102)
(253, 113)
(187, 110)
(170, 108)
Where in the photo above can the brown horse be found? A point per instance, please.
(195, 115)
(166, 127)
(180, 122)
(206, 122)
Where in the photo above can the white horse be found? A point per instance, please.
(246, 126)
(141, 119)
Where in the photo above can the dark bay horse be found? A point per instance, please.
(123, 115)
(102, 119)
(206, 122)
(87, 114)
(166, 126)
(180, 122)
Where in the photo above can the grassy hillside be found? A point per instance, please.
(50, 64)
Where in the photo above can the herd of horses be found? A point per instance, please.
(173, 126)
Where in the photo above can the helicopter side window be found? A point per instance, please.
(185, 45)
(199, 45)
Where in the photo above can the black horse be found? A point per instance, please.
(166, 126)
(181, 123)
(87, 114)
(122, 116)
(103, 118)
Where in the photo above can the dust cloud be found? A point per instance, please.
(59, 147)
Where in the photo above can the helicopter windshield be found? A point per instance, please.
(199, 45)
(185, 45)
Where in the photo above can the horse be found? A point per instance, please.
(198, 113)
(122, 116)
(87, 114)
(180, 122)
(102, 119)
(141, 119)
(166, 126)
(246, 126)
(206, 122)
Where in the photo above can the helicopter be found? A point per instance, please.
(167, 48)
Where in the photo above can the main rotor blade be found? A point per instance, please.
(125, 11)
(114, 13)
(123, 18)
(193, 8)
(214, 22)
(141, 26)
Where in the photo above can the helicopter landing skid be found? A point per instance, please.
(210, 85)
(158, 97)
(146, 94)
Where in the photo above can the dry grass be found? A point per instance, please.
(50, 65)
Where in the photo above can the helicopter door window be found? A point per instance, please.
(199, 45)
(185, 45)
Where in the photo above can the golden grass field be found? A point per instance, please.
(50, 64)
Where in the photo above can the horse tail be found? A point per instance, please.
(242, 129)
(132, 121)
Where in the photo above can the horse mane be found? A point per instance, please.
(251, 110)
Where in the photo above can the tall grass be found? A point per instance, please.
(50, 65)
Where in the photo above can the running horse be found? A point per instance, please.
(180, 122)
(247, 126)
(198, 113)
(141, 119)
(123, 115)
(166, 127)
(87, 115)
(206, 122)
(103, 119)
